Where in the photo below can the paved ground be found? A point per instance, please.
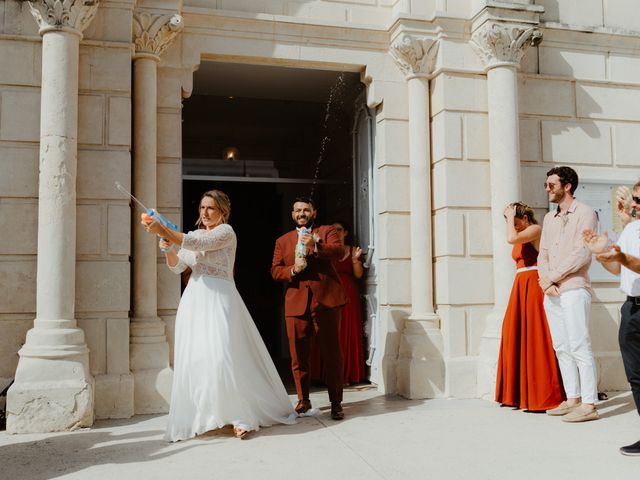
(381, 438)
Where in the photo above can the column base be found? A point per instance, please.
(420, 360)
(114, 396)
(489, 351)
(152, 390)
(50, 395)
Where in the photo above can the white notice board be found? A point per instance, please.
(601, 196)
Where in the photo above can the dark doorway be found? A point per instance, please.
(285, 144)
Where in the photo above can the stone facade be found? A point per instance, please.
(430, 66)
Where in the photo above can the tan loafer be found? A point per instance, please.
(581, 415)
(562, 409)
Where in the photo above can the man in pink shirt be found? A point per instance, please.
(563, 264)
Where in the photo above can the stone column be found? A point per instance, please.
(501, 47)
(153, 33)
(53, 387)
(420, 372)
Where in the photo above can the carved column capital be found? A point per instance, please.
(414, 55)
(153, 33)
(503, 43)
(70, 15)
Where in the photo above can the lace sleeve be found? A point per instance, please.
(185, 259)
(202, 241)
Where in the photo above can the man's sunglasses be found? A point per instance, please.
(636, 199)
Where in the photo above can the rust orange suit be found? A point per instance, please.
(312, 306)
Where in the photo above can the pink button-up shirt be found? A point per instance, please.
(564, 259)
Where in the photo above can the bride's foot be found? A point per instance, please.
(240, 433)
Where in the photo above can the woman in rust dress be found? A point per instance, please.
(528, 375)
(349, 269)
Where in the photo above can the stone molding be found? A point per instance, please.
(74, 15)
(504, 43)
(153, 33)
(415, 56)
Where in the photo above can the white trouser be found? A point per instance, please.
(568, 317)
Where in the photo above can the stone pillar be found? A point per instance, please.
(420, 364)
(153, 33)
(53, 387)
(501, 47)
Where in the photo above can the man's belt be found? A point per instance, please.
(634, 300)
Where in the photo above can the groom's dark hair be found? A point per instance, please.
(305, 200)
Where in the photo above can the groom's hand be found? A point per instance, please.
(300, 264)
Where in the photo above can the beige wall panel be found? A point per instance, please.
(622, 14)
(89, 229)
(624, 67)
(26, 70)
(95, 334)
(102, 286)
(169, 185)
(18, 286)
(603, 326)
(169, 135)
(532, 181)
(105, 68)
(392, 142)
(573, 63)
(19, 227)
(394, 96)
(448, 226)
(98, 170)
(14, 333)
(119, 121)
(576, 143)
(19, 167)
(462, 281)
(608, 101)
(110, 24)
(20, 115)
(476, 136)
(393, 189)
(476, 324)
(461, 184)
(546, 97)
(454, 330)
(479, 233)
(168, 288)
(90, 119)
(626, 149)
(530, 140)
(118, 229)
(459, 92)
(117, 335)
(396, 288)
(446, 136)
(394, 236)
(572, 12)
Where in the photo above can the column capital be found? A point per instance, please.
(415, 55)
(154, 32)
(498, 43)
(70, 15)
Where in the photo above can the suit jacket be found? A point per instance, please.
(320, 276)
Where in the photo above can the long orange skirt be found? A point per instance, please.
(528, 375)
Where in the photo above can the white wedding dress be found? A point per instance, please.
(223, 373)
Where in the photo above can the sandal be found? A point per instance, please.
(240, 433)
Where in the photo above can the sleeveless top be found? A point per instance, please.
(525, 255)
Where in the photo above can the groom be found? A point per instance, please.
(313, 299)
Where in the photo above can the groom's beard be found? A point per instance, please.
(305, 222)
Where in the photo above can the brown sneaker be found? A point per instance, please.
(581, 415)
(563, 409)
(303, 406)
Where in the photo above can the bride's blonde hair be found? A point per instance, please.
(222, 202)
(523, 209)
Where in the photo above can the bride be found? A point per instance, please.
(222, 371)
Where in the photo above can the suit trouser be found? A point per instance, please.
(629, 339)
(568, 317)
(325, 325)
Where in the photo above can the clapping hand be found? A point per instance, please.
(356, 253)
(623, 205)
(613, 255)
(594, 242)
